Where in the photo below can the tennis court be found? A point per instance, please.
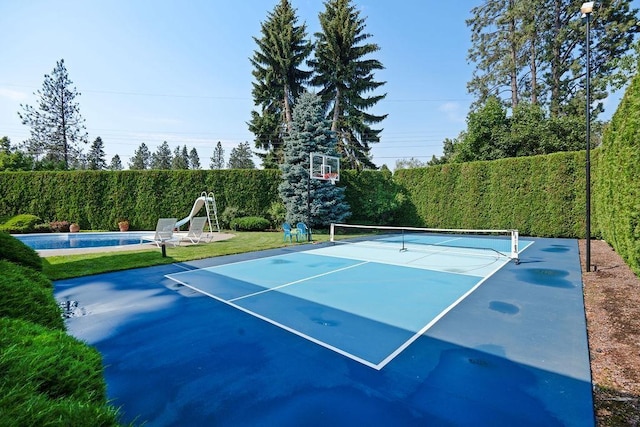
(346, 334)
(367, 301)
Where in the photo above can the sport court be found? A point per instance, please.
(317, 335)
(393, 288)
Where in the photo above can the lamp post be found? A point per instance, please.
(586, 10)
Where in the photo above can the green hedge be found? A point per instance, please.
(539, 195)
(49, 378)
(46, 376)
(617, 179)
(27, 294)
(250, 223)
(98, 199)
(14, 250)
(23, 223)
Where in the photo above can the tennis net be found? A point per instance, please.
(500, 242)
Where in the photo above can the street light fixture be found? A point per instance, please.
(586, 10)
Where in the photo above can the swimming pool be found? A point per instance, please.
(43, 241)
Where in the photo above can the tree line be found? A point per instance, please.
(528, 87)
(529, 83)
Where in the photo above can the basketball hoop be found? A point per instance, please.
(331, 177)
(324, 167)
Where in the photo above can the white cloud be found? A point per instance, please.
(13, 95)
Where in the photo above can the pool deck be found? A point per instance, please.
(215, 237)
(514, 352)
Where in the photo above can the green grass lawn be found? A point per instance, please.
(64, 267)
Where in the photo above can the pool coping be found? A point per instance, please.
(142, 246)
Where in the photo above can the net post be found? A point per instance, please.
(403, 249)
(331, 232)
(514, 246)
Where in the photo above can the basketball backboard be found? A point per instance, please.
(324, 167)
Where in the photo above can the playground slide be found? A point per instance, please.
(197, 205)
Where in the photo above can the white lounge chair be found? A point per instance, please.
(164, 233)
(196, 229)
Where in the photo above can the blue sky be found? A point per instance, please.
(154, 70)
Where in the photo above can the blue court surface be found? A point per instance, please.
(340, 335)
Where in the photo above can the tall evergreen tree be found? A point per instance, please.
(240, 157)
(194, 159)
(217, 159)
(539, 52)
(278, 79)
(310, 133)
(96, 156)
(161, 158)
(116, 163)
(180, 158)
(344, 71)
(57, 128)
(141, 158)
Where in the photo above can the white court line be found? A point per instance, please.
(213, 267)
(298, 281)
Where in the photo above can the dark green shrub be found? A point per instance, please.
(229, 215)
(49, 378)
(24, 223)
(14, 250)
(42, 228)
(25, 294)
(250, 223)
(277, 214)
(59, 226)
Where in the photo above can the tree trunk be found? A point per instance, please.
(287, 108)
(513, 52)
(336, 111)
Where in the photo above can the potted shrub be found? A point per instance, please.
(74, 227)
(123, 225)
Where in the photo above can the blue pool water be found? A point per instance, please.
(79, 240)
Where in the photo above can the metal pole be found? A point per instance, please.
(308, 207)
(309, 200)
(588, 162)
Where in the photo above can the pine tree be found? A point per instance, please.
(95, 157)
(240, 157)
(310, 133)
(217, 159)
(161, 159)
(57, 128)
(116, 163)
(344, 71)
(538, 53)
(194, 159)
(180, 158)
(141, 158)
(279, 79)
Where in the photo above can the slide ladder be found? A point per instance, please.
(211, 208)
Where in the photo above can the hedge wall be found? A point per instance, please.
(539, 195)
(617, 179)
(97, 199)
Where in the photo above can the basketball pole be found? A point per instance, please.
(309, 199)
